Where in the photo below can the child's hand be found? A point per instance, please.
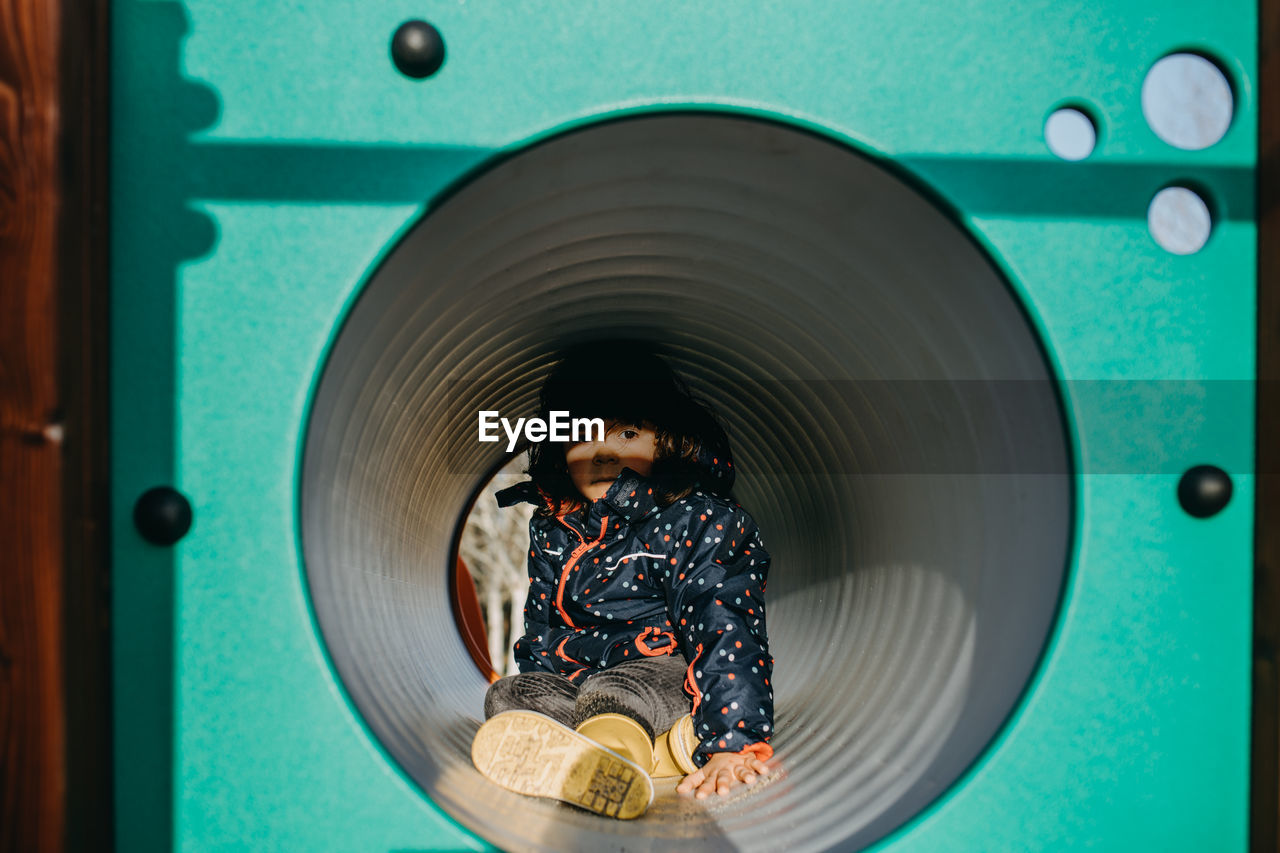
(723, 772)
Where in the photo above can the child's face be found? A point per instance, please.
(594, 465)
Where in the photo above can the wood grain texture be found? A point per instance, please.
(32, 701)
(1265, 782)
(53, 636)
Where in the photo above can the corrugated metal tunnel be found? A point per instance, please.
(896, 426)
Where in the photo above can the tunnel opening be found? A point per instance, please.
(895, 421)
(490, 580)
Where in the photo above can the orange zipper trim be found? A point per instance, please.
(690, 684)
(573, 558)
(560, 653)
(656, 634)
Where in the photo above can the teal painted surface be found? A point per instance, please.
(266, 155)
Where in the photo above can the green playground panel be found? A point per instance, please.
(267, 156)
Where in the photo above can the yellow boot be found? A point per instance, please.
(529, 753)
(673, 750)
(621, 734)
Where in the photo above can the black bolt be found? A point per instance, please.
(162, 515)
(417, 49)
(1204, 490)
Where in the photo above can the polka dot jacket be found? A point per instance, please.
(626, 578)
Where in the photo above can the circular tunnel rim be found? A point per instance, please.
(916, 184)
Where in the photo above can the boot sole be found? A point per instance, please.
(532, 754)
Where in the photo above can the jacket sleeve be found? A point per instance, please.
(533, 650)
(716, 597)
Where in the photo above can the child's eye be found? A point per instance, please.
(629, 434)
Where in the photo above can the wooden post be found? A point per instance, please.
(55, 721)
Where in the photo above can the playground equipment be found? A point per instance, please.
(998, 437)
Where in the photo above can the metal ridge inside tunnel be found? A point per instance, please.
(854, 340)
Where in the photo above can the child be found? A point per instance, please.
(645, 651)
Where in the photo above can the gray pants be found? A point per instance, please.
(649, 691)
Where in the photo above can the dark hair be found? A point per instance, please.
(626, 380)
